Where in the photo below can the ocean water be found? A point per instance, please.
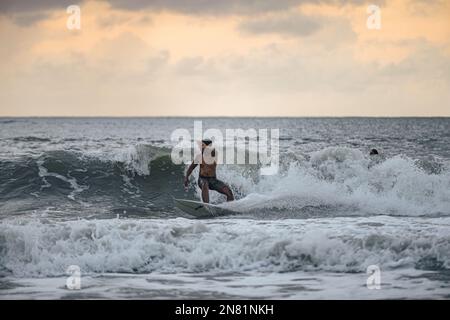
(97, 193)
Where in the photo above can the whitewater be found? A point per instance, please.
(97, 193)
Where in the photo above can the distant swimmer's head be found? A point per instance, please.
(373, 152)
(206, 142)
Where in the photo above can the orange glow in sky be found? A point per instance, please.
(225, 59)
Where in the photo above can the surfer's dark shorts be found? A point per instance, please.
(213, 183)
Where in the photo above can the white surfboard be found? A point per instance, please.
(200, 209)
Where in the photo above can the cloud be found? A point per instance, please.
(220, 7)
(112, 20)
(190, 65)
(207, 6)
(28, 19)
(291, 24)
(426, 64)
(303, 81)
(217, 7)
(27, 13)
(12, 6)
(298, 61)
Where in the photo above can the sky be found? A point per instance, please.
(225, 58)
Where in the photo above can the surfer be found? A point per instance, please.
(207, 177)
(374, 158)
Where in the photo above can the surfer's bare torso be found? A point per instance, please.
(207, 179)
(208, 165)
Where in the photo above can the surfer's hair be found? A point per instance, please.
(207, 141)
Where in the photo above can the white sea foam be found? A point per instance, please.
(336, 179)
(44, 248)
(343, 177)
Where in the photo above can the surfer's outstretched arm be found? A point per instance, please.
(188, 173)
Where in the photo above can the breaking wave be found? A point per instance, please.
(332, 181)
(43, 248)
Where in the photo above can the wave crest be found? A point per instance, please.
(333, 181)
(39, 248)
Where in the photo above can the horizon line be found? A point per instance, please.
(221, 116)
